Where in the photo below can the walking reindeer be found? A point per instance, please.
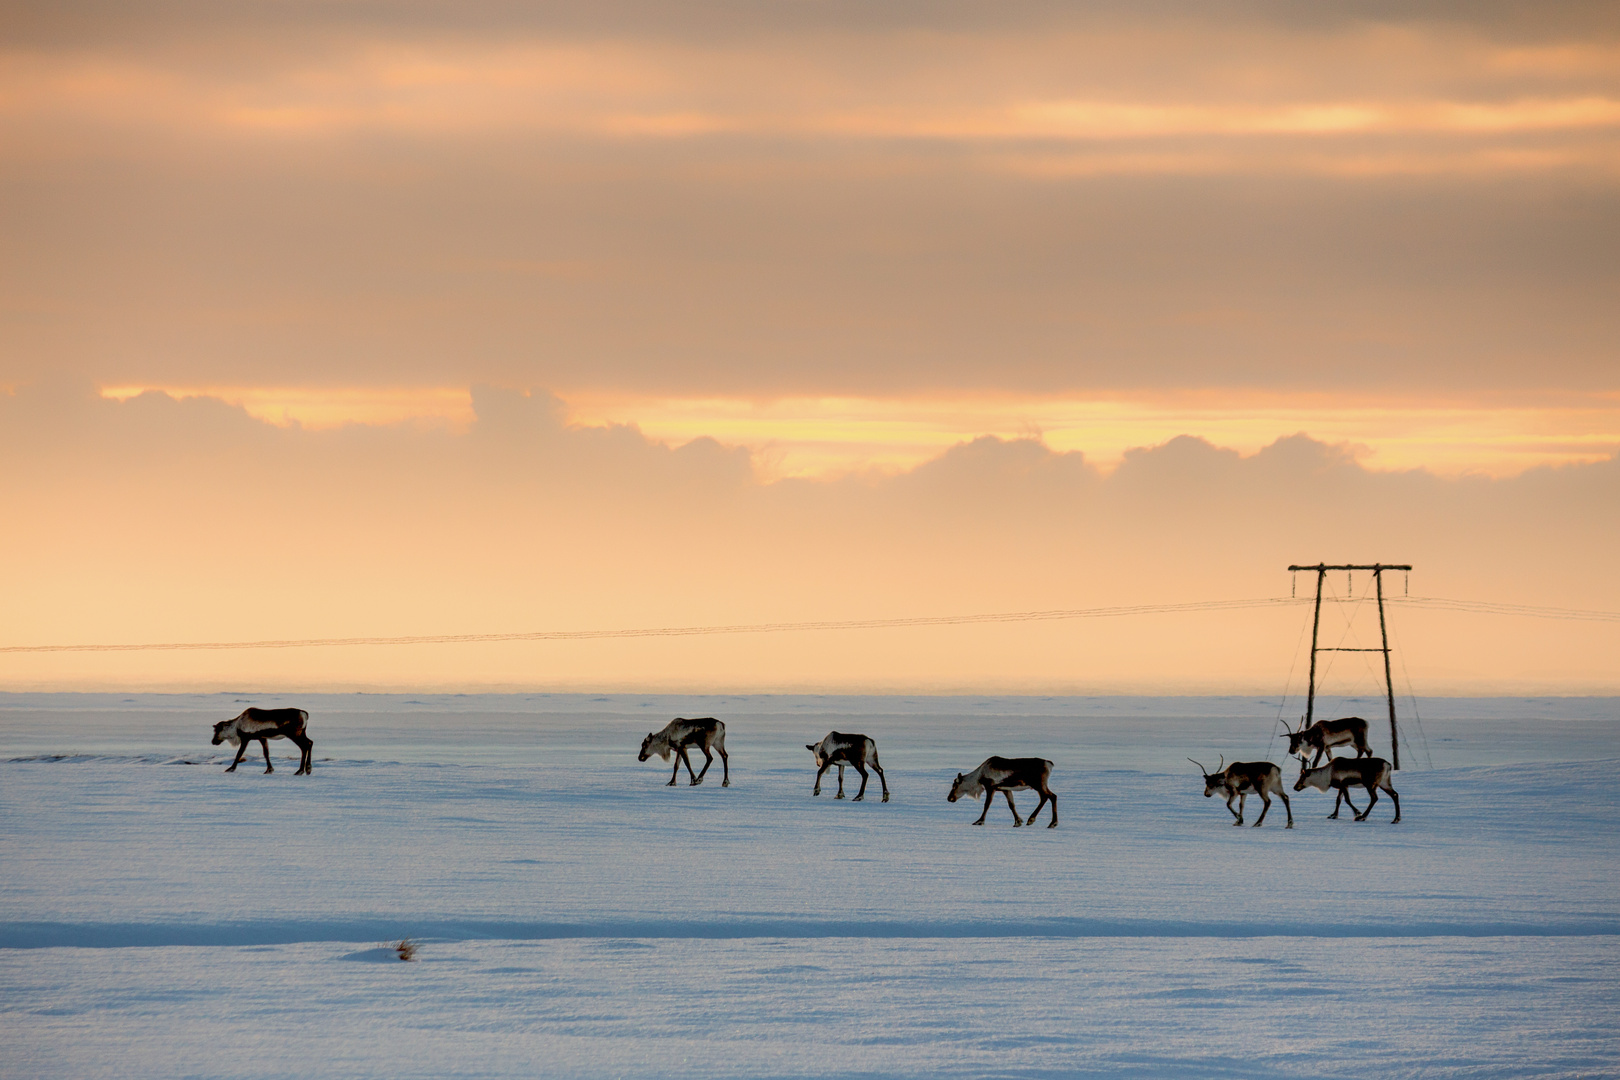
(1324, 734)
(1343, 773)
(1243, 778)
(681, 734)
(263, 725)
(840, 749)
(1007, 775)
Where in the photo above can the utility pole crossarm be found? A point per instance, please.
(1351, 566)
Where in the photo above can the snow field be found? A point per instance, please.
(578, 918)
(1023, 1007)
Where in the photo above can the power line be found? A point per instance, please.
(1431, 602)
(1486, 607)
(674, 631)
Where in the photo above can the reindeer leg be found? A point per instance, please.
(1348, 801)
(1372, 793)
(241, 751)
(725, 765)
(882, 780)
(1030, 819)
(1230, 795)
(860, 796)
(1336, 798)
(840, 794)
(696, 780)
(1051, 798)
(989, 797)
(1287, 806)
(1266, 809)
(1397, 799)
(676, 771)
(264, 744)
(817, 789)
(708, 759)
(1017, 821)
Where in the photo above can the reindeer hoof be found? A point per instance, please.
(725, 783)
(231, 769)
(1018, 824)
(978, 823)
(885, 797)
(1290, 825)
(840, 795)
(858, 798)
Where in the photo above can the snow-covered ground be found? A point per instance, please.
(575, 917)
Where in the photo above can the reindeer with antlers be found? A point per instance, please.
(1324, 734)
(1243, 778)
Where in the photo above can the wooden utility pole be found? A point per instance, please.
(1383, 630)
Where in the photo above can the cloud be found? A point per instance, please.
(820, 199)
(155, 519)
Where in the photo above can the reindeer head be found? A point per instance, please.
(963, 785)
(815, 748)
(223, 730)
(1298, 738)
(1306, 777)
(651, 745)
(1213, 781)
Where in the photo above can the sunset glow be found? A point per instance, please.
(343, 322)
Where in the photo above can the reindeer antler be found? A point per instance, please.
(1222, 766)
(1200, 767)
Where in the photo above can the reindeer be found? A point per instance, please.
(263, 725)
(855, 750)
(1242, 778)
(1370, 773)
(1327, 733)
(678, 736)
(1007, 775)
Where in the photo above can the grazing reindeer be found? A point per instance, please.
(1008, 775)
(678, 736)
(1242, 778)
(263, 725)
(840, 750)
(1327, 733)
(1370, 773)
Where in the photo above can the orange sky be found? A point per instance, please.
(781, 267)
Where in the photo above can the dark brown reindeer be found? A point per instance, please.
(679, 735)
(1243, 778)
(264, 725)
(1343, 773)
(1008, 775)
(1324, 734)
(857, 751)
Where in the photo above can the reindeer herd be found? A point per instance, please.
(1237, 781)
(1243, 778)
